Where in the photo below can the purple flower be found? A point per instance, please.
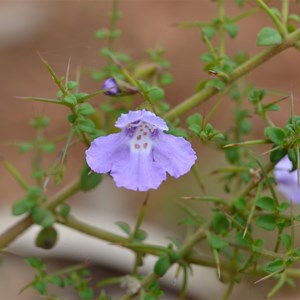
(110, 84)
(287, 180)
(139, 156)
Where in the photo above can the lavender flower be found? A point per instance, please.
(112, 85)
(287, 180)
(139, 156)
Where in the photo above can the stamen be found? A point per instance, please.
(137, 146)
(145, 145)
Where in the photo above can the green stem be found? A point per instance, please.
(249, 143)
(229, 290)
(65, 193)
(198, 179)
(274, 18)
(135, 232)
(93, 231)
(140, 218)
(15, 174)
(240, 71)
(215, 200)
(285, 13)
(14, 231)
(278, 285)
(210, 47)
(245, 14)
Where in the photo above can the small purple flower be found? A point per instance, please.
(112, 85)
(287, 180)
(139, 156)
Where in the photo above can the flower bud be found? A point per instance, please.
(111, 86)
(118, 87)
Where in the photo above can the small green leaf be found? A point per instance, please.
(266, 203)
(256, 96)
(209, 31)
(64, 210)
(39, 122)
(166, 78)
(232, 29)
(124, 227)
(72, 85)
(220, 223)
(47, 147)
(207, 57)
(70, 99)
(275, 134)
(268, 36)
(20, 207)
(240, 204)
(122, 57)
(86, 293)
(286, 240)
(156, 93)
(115, 33)
(194, 119)
(294, 17)
(35, 262)
(292, 154)
(141, 235)
(240, 2)
(277, 155)
(267, 222)
(86, 109)
(88, 179)
(101, 33)
(40, 286)
(43, 216)
(86, 125)
(217, 84)
(244, 241)
(162, 265)
(25, 147)
(283, 206)
(216, 242)
(257, 244)
(274, 266)
(57, 280)
(105, 52)
(195, 128)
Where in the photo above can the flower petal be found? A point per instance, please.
(141, 115)
(292, 193)
(152, 119)
(175, 154)
(287, 181)
(283, 174)
(139, 172)
(130, 117)
(105, 151)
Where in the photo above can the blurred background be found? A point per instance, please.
(63, 30)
